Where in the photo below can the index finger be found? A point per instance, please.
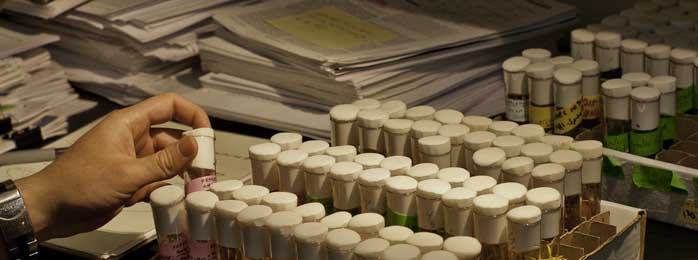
(164, 108)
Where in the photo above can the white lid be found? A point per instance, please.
(513, 191)
(637, 79)
(282, 219)
(590, 149)
(346, 171)
(539, 152)
(456, 132)
(201, 201)
(448, 116)
(540, 70)
(491, 204)
(616, 88)
(200, 132)
(372, 118)
(510, 144)
(371, 248)
(665, 84)
(229, 209)
(367, 223)
(395, 234)
(453, 175)
(420, 113)
(342, 152)
(464, 247)
(460, 197)
(524, 215)
(586, 67)
(254, 215)
(311, 232)
(265, 151)
(582, 35)
(439, 255)
(435, 145)
(479, 139)
(318, 164)
(529, 132)
(336, 220)
(549, 172)
(398, 126)
(424, 128)
(398, 164)
(395, 108)
(291, 158)
(646, 6)
(401, 184)
(479, 183)
(342, 239)
(314, 147)
(489, 157)
(344, 112)
(658, 51)
(608, 39)
(280, 200)
(503, 127)
(571, 160)
(313, 211)
(567, 76)
(515, 64)
(374, 177)
(250, 194)
(536, 54)
(518, 165)
(224, 189)
(402, 252)
(477, 123)
(166, 196)
(367, 103)
(634, 45)
(433, 188)
(369, 160)
(615, 21)
(423, 171)
(680, 55)
(545, 198)
(426, 241)
(645, 94)
(561, 61)
(286, 140)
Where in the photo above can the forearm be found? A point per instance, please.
(38, 200)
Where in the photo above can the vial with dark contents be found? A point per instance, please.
(592, 152)
(617, 114)
(645, 138)
(591, 98)
(549, 201)
(567, 119)
(667, 108)
(607, 52)
(516, 89)
(572, 161)
(490, 226)
(524, 232)
(540, 81)
(228, 230)
(202, 172)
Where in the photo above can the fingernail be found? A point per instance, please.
(187, 146)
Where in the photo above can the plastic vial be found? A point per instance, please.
(682, 68)
(170, 217)
(518, 170)
(336, 220)
(607, 53)
(538, 152)
(340, 243)
(551, 175)
(423, 171)
(251, 194)
(367, 103)
(314, 147)
(491, 226)
(562, 61)
(592, 152)
(309, 238)
(632, 55)
(531, 133)
(439, 255)
(457, 205)
(549, 202)
(435, 149)
(524, 232)
(516, 88)
(371, 249)
(318, 186)
(202, 241)
(657, 59)
(402, 252)
(425, 241)
(501, 128)
(455, 176)
(371, 138)
(202, 172)
(255, 238)
(371, 190)
(667, 108)
(344, 130)
(448, 116)
(280, 226)
(646, 137)
(280, 201)
(617, 108)
(369, 160)
(224, 189)
(475, 141)
(367, 225)
(342, 153)
(397, 137)
(420, 113)
(401, 203)
(397, 165)
(477, 123)
(291, 177)
(287, 141)
(558, 142)
(510, 144)
(540, 82)
(421, 129)
(345, 191)
(464, 247)
(488, 162)
(567, 119)
(430, 213)
(395, 234)
(311, 212)
(514, 192)
(395, 108)
(456, 132)
(591, 98)
(536, 55)
(637, 79)
(228, 230)
(582, 44)
(572, 161)
(480, 184)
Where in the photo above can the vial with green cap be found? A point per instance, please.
(591, 98)
(617, 113)
(540, 81)
(568, 102)
(645, 138)
(632, 56)
(667, 108)
(682, 68)
(607, 52)
(517, 89)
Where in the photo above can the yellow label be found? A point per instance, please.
(592, 107)
(331, 28)
(689, 212)
(542, 116)
(568, 118)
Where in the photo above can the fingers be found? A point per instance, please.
(165, 163)
(159, 139)
(163, 108)
(143, 193)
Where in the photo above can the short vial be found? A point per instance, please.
(340, 243)
(682, 67)
(538, 152)
(637, 79)
(430, 214)
(551, 175)
(477, 123)
(510, 144)
(480, 184)
(397, 165)
(395, 234)
(572, 161)
(402, 252)
(170, 220)
(524, 232)
(439, 255)
(423, 171)
(251, 194)
(280, 201)
(567, 118)
(426, 241)
(607, 53)
(582, 44)
(420, 113)
(318, 187)
(448, 116)
(224, 189)
(617, 108)
(592, 167)
(287, 141)
(201, 226)
(309, 238)
(401, 202)
(488, 162)
(517, 89)
(632, 55)
(280, 226)
(455, 176)
(255, 237)
(475, 141)
(311, 212)
(369, 160)
(228, 229)
(435, 149)
(562, 61)
(421, 129)
(503, 127)
(336, 220)
(344, 129)
(456, 133)
(667, 108)
(372, 190)
(291, 177)
(371, 249)
(549, 201)
(371, 138)
(514, 192)
(396, 134)
(558, 142)
(464, 247)
(536, 55)
(202, 170)
(367, 225)
(394, 108)
(542, 106)
(458, 211)
(343, 153)
(491, 226)
(518, 170)
(657, 59)
(345, 190)
(591, 97)
(646, 136)
(531, 133)
(314, 147)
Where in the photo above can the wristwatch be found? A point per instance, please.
(15, 226)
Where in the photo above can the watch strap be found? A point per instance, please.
(15, 225)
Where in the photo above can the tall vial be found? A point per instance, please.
(657, 59)
(524, 231)
(567, 119)
(336, 220)
(429, 210)
(342, 153)
(510, 144)
(592, 152)
(456, 133)
(683, 70)
(475, 141)
(536, 55)
(170, 217)
(582, 44)
(645, 138)
(632, 56)
(518, 170)
(488, 162)
(255, 237)
(402, 252)
(224, 189)
(421, 129)
(514, 192)
(426, 241)
(371, 249)
(401, 202)
(458, 211)
(345, 191)
(344, 129)
(309, 238)
(318, 187)
(287, 141)
(280, 201)
(420, 113)
(538, 152)
(397, 137)
(202, 172)
(591, 98)
(607, 53)
(503, 127)
(464, 247)
(291, 179)
(369, 160)
(448, 116)
(572, 161)
(228, 230)
(311, 212)
(549, 201)
(491, 226)
(394, 108)
(455, 176)
(397, 165)
(667, 108)
(435, 149)
(551, 175)
(280, 226)
(372, 190)
(617, 109)
(540, 82)
(531, 133)
(250, 194)
(314, 147)
(371, 138)
(340, 243)
(516, 88)
(480, 184)
(202, 240)
(477, 123)
(423, 171)
(367, 225)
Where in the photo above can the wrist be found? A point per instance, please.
(35, 195)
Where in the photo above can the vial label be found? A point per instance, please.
(668, 126)
(394, 218)
(325, 201)
(617, 142)
(173, 247)
(645, 143)
(202, 250)
(592, 107)
(684, 99)
(201, 183)
(517, 110)
(568, 118)
(541, 115)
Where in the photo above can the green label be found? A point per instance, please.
(612, 167)
(645, 143)
(677, 185)
(684, 99)
(657, 179)
(326, 203)
(617, 142)
(394, 218)
(668, 125)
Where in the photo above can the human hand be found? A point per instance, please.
(116, 164)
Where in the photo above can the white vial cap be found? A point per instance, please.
(342, 153)
(402, 252)
(502, 127)
(401, 184)
(539, 152)
(489, 157)
(477, 123)
(571, 160)
(617, 88)
(480, 184)
(265, 151)
(434, 145)
(439, 255)
(424, 128)
(545, 198)
(423, 171)
(541, 70)
(448, 116)
(567, 76)
(371, 248)
(336, 220)
(397, 165)
(346, 171)
(229, 209)
(562, 61)
(465, 247)
(394, 108)
(367, 223)
(460, 197)
(633, 45)
(665, 84)
(515, 64)
(367, 103)
(251, 194)
(536, 54)
(314, 147)
(615, 21)
(582, 36)
(559, 141)
(525, 215)
(479, 139)
(608, 39)
(311, 212)
(369, 160)
(166, 196)
(280, 201)
(224, 189)
(453, 175)
(637, 79)
(395, 234)
(432, 188)
(518, 166)
(645, 94)
(310, 232)
(658, 51)
(344, 113)
(287, 141)
(420, 113)
(291, 158)
(374, 177)
(646, 6)
(549, 172)
(491, 204)
(514, 192)
(590, 149)
(510, 144)
(373, 118)
(342, 239)
(456, 132)
(587, 67)
(318, 164)
(254, 215)
(529, 132)
(283, 221)
(680, 55)
(426, 241)
(398, 126)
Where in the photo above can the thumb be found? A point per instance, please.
(170, 161)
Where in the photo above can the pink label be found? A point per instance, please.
(200, 184)
(173, 247)
(202, 250)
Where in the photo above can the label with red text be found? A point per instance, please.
(202, 250)
(200, 184)
(173, 247)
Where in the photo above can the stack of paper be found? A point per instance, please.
(44, 11)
